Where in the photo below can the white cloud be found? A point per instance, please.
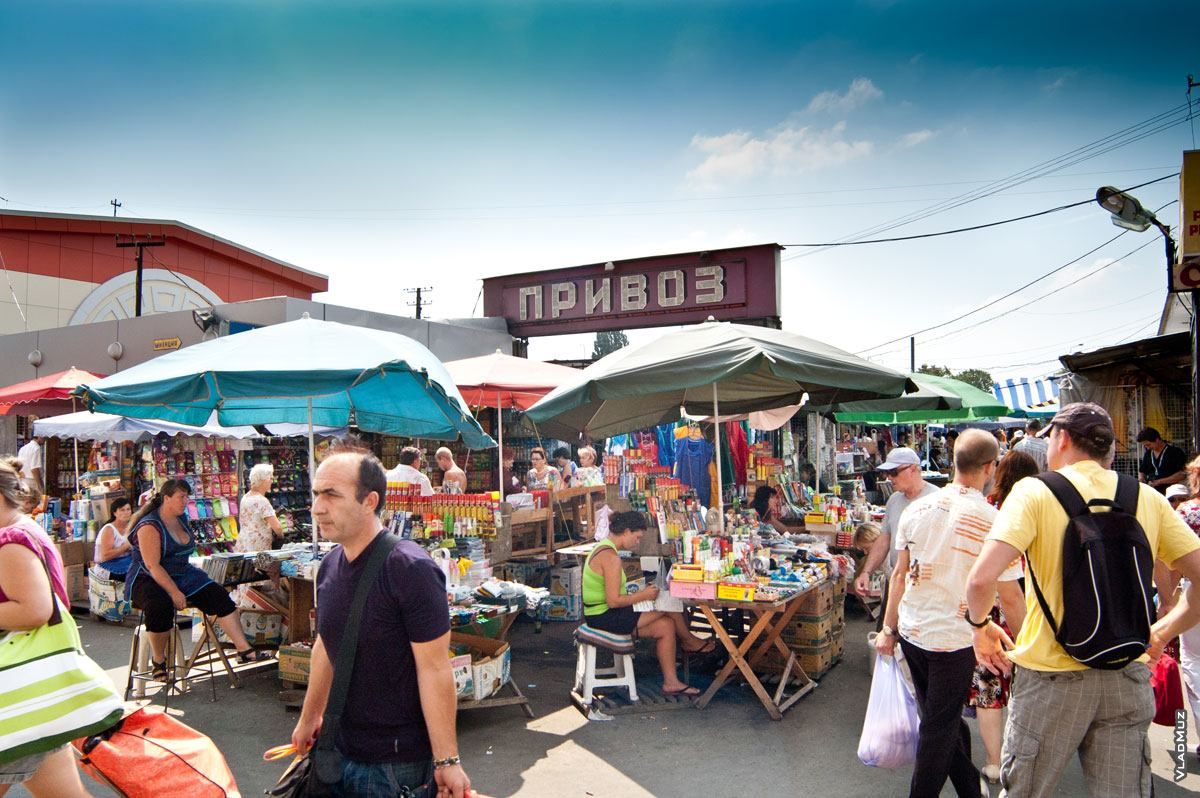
(917, 137)
(1061, 78)
(785, 150)
(861, 92)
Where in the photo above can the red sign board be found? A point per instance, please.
(728, 284)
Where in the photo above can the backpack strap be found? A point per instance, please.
(1067, 494)
(1129, 492)
(1073, 504)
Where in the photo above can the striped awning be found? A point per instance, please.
(1032, 396)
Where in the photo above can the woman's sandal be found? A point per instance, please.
(158, 670)
(253, 655)
(710, 645)
(687, 691)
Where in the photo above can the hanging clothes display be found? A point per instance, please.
(665, 434)
(727, 470)
(692, 457)
(739, 448)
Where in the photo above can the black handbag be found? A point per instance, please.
(315, 774)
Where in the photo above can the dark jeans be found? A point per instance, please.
(386, 780)
(942, 680)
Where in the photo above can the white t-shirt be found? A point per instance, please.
(892, 511)
(410, 476)
(944, 534)
(30, 456)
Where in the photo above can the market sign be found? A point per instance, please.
(166, 344)
(1185, 274)
(740, 283)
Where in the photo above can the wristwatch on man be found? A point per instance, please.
(889, 631)
(977, 625)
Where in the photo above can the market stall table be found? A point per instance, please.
(772, 618)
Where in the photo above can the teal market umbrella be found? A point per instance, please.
(708, 369)
(303, 371)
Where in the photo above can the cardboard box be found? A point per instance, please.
(77, 584)
(260, 628)
(566, 580)
(464, 681)
(694, 590)
(491, 661)
(561, 608)
(295, 663)
(819, 601)
(72, 552)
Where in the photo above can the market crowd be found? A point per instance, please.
(1041, 581)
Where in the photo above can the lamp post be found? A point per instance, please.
(1128, 213)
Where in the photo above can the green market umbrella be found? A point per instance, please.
(939, 399)
(708, 369)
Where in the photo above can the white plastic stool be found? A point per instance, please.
(589, 678)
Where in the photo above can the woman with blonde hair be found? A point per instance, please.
(588, 473)
(30, 573)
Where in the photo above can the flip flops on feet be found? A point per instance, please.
(686, 691)
(709, 647)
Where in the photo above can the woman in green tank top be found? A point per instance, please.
(608, 605)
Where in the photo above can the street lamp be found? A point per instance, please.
(1128, 213)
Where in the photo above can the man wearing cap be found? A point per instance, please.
(1059, 707)
(1032, 445)
(903, 468)
(1162, 464)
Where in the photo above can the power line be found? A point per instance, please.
(1043, 296)
(1036, 280)
(1087, 201)
(1121, 138)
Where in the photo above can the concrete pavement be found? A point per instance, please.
(731, 748)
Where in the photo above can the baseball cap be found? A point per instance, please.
(1178, 490)
(899, 457)
(1080, 418)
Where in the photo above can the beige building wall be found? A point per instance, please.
(48, 302)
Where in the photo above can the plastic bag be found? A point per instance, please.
(889, 735)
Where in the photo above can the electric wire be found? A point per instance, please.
(1129, 135)
(1087, 201)
(1036, 280)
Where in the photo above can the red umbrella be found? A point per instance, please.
(499, 380)
(49, 395)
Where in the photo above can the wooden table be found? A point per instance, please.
(772, 618)
(580, 503)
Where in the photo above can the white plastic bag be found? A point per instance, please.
(889, 735)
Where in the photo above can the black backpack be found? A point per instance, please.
(1107, 570)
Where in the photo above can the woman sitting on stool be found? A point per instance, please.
(160, 580)
(607, 605)
(112, 544)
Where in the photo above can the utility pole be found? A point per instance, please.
(151, 241)
(113, 202)
(912, 353)
(419, 302)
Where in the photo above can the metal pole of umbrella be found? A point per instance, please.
(312, 475)
(717, 438)
(500, 445)
(75, 441)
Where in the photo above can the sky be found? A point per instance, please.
(397, 145)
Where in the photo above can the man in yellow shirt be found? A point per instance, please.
(1057, 705)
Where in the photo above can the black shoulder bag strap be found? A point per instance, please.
(1074, 505)
(327, 761)
(1129, 493)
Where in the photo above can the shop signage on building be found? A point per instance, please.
(167, 344)
(740, 283)
(1185, 273)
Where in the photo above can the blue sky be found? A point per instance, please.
(394, 145)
